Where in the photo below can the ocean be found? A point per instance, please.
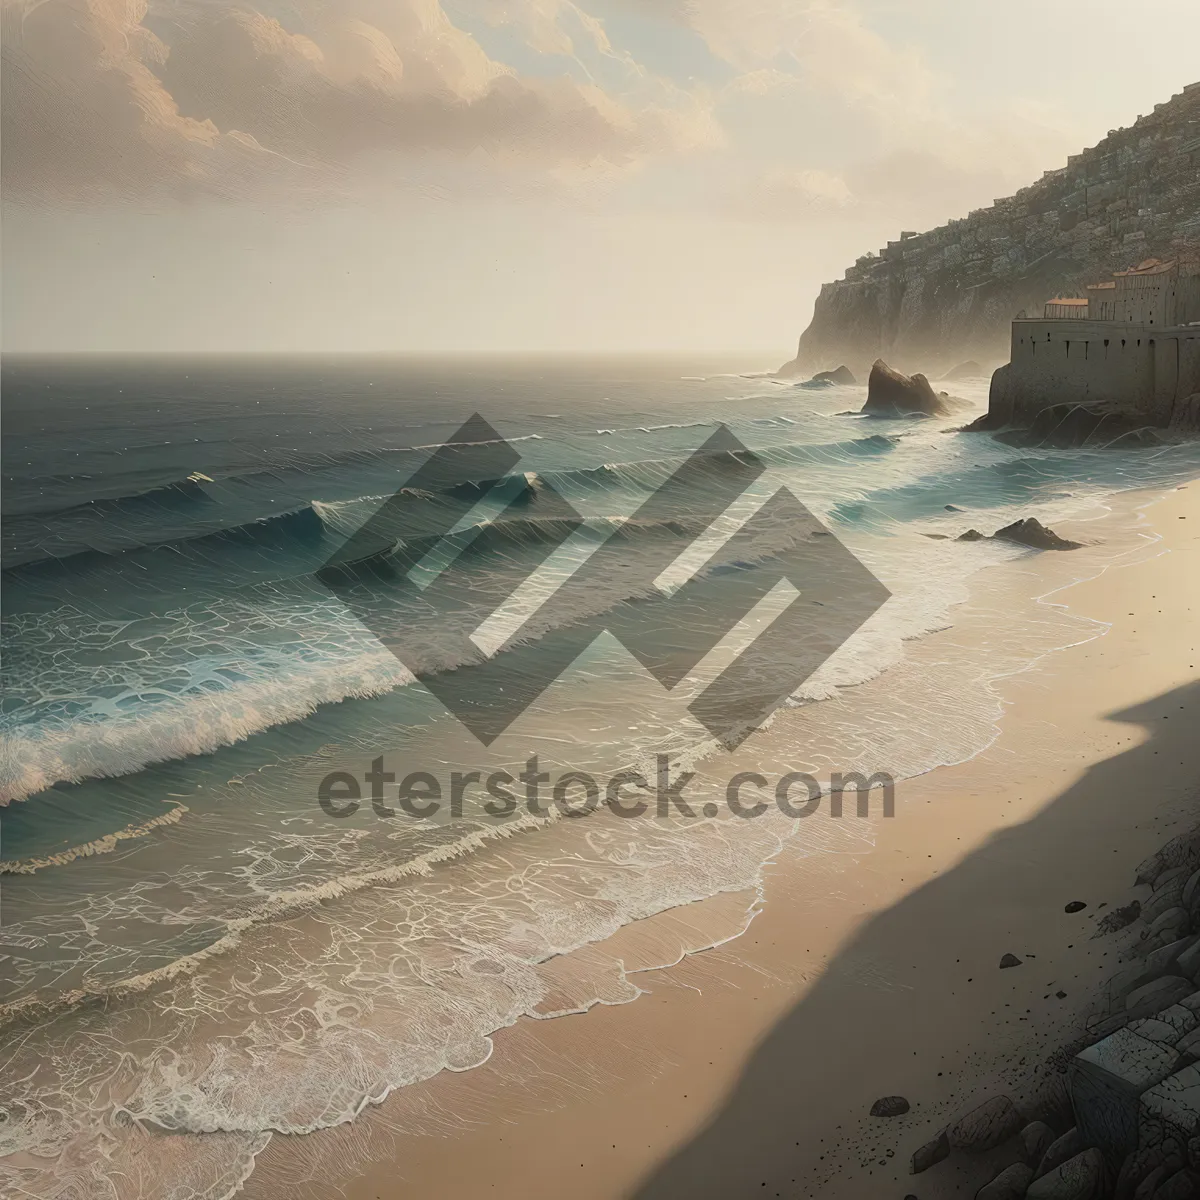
(195, 953)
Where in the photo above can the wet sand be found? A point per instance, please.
(750, 1069)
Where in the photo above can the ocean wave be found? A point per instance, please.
(308, 523)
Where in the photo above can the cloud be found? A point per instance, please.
(223, 95)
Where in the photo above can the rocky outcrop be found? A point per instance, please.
(937, 297)
(1032, 533)
(842, 375)
(891, 394)
(1065, 426)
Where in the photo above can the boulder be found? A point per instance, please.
(1027, 532)
(890, 1106)
(1079, 1178)
(1061, 1149)
(1174, 1104)
(842, 375)
(1107, 1081)
(1182, 851)
(1160, 994)
(1010, 1184)
(1009, 960)
(1188, 963)
(891, 394)
(1183, 1185)
(1191, 891)
(993, 1122)
(931, 1153)
(1031, 532)
(1036, 1139)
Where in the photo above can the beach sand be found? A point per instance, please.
(750, 1069)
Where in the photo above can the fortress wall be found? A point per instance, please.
(1138, 370)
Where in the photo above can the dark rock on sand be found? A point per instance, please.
(1031, 532)
(954, 508)
(1076, 906)
(1027, 532)
(931, 1153)
(1010, 1184)
(890, 1106)
(1060, 1150)
(1010, 960)
(891, 394)
(1161, 993)
(1080, 1178)
(1036, 1138)
(985, 1127)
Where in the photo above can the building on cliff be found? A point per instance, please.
(1132, 348)
(928, 301)
(1152, 293)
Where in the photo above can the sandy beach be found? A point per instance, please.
(750, 1069)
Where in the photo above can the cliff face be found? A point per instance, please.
(929, 300)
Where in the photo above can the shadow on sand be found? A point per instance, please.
(897, 986)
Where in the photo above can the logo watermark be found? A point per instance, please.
(424, 794)
(669, 633)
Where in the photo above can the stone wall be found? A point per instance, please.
(930, 300)
(1142, 372)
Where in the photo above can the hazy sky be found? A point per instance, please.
(520, 174)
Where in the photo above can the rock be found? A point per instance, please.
(1137, 1167)
(1157, 995)
(1031, 532)
(890, 1106)
(1171, 923)
(1146, 1189)
(954, 508)
(1183, 1185)
(1009, 960)
(1183, 851)
(1119, 918)
(931, 1153)
(842, 375)
(1036, 1139)
(1188, 961)
(1028, 532)
(993, 1122)
(1060, 1150)
(965, 370)
(1107, 1081)
(1165, 896)
(1079, 1178)
(1075, 906)
(891, 394)
(1010, 1184)
(1191, 891)
(1175, 1102)
(1069, 426)
(1158, 962)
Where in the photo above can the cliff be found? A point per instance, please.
(929, 300)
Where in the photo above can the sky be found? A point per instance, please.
(519, 175)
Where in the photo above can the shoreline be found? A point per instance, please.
(600, 1101)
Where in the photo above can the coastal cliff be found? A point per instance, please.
(928, 300)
